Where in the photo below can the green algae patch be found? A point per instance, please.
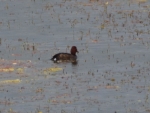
(15, 81)
(51, 70)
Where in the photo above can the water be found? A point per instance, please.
(112, 74)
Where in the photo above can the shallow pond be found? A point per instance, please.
(112, 73)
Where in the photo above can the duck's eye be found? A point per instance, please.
(55, 59)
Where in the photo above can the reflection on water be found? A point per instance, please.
(74, 63)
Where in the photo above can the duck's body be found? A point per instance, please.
(66, 57)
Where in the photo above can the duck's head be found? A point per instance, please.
(74, 50)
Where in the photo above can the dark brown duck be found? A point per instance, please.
(65, 57)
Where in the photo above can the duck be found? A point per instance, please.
(66, 57)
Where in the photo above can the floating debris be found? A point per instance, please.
(50, 70)
(15, 81)
(20, 70)
(6, 69)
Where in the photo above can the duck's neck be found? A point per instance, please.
(73, 53)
